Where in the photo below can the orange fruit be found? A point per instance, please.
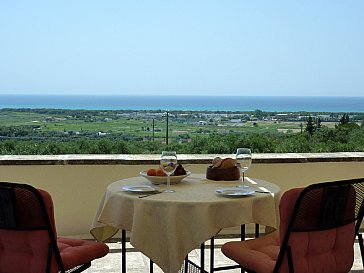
(160, 173)
(152, 172)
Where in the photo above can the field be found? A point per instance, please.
(140, 124)
(57, 131)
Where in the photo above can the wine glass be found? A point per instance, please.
(244, 160)
(168, 164)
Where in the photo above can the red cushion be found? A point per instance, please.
(328, 251)
(75, 252)
(258, 254)
(23, 251)
(27, 251)
(49, 207)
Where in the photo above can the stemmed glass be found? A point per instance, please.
(244, 160)
(168, 164)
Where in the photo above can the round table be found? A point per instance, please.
(167, 226)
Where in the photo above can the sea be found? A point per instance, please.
(329, 104)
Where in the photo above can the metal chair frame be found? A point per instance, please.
(358, 184)
(9, 220)
(285, 248)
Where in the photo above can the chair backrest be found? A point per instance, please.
(318, 226)
(27, 230)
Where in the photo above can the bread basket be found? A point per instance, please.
(223, 174)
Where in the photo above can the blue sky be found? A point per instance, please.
(185, 47)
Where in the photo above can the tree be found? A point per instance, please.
(121, 147)
(344, 120)
(318, 127)
(345, 123)
(258, 114)
(310, 126)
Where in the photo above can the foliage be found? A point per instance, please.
(344, 120)
(310, 126)
(88, 132)
(325, 140)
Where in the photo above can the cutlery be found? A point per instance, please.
(262, 191)
(149, 194)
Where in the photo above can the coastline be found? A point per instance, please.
(187, 103)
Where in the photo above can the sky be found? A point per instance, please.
(189, 47)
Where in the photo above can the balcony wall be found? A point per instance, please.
(77, 182)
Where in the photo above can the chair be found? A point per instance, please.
(318, 225)
(28, 237)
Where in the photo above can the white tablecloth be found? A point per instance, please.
(167, 226)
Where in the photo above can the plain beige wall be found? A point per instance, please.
(77, 189)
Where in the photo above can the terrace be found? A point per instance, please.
(139, 263)
(77, 182)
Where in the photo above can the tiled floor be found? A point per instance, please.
(138, 263)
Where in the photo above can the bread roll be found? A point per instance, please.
(227, 163)
(216, 162)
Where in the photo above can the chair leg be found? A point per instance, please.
(202, 258)
(123, 251)
(186, 265)
(229, 267)
(212, 254)
(242, 238)
(242, 232)
(256, 230)
(150, 266)
(360, 237)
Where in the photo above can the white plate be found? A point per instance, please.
(235, 192)
(139, 188)
(163, 179)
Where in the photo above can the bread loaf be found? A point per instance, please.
(227, 163)
(216, 162)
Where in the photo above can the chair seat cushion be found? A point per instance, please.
(75, 251)
(259, 254)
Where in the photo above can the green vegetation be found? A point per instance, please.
(57, 131)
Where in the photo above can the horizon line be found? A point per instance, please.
(179, 95)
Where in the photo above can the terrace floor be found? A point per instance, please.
(138, 263)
